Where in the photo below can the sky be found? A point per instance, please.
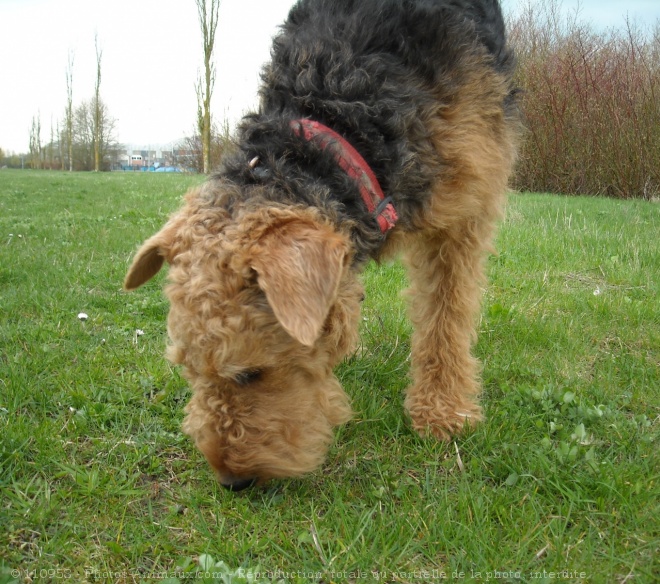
(151, 57)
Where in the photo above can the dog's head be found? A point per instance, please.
(264, 304)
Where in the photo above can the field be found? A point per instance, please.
(561, 483)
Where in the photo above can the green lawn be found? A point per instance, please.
(561, 483)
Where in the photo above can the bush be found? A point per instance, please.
(592, 105)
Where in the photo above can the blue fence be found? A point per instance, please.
(130, 168)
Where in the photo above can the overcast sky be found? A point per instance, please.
(151, 58)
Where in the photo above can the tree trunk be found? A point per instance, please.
(208, 22)
(97, 109)
(69, 110)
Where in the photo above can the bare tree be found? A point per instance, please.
(207, 11)
(221, 142)
(69, 111)
(51, 145)
(60, 143)
(97, 106)
(85, 132)
(35, 142)
(83, 136)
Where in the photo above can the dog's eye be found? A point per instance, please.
(248, 376)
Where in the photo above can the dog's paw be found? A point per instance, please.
(442, 419)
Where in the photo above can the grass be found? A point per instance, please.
(97, 483)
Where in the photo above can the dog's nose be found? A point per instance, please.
(238, 484)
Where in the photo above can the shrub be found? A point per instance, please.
(591, 101)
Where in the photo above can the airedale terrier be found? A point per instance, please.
(385, 127)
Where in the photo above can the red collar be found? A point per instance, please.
(350, 160)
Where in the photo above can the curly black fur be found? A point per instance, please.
(374, 71)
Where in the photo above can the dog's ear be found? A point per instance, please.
(299, 266)
(150, 257)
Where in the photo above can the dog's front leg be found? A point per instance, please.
(446, 273)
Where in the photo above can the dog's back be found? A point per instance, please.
(420, 33)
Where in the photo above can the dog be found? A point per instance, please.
(386, 128)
